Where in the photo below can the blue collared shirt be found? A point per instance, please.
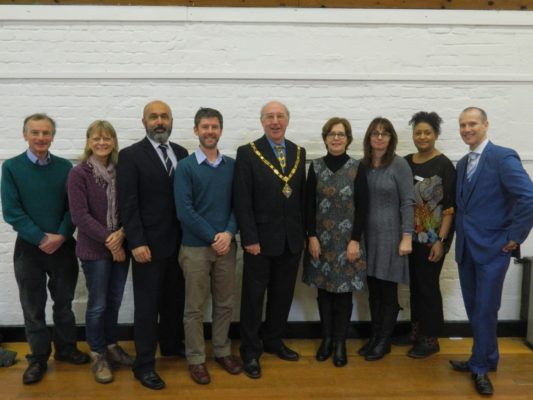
(273, 145)
(201, 157)
(35, 160)
(479, 150)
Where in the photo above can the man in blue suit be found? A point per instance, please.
(494, 215)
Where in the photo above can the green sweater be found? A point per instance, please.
(34, 198)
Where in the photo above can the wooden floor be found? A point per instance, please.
(394, 377)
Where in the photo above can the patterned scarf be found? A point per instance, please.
(106, 177)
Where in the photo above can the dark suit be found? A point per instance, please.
(265, 216)
(494, 207)
(146, 206)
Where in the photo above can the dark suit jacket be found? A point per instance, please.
(495, 206)
(146, 199)
(264, 215)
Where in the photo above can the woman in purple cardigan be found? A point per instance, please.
(93, 204)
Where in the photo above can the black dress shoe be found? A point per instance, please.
(462, 366)
(483, 384)
(34, 373)
(325, 349)
(284, 353)
(252, 368)
(151, 380)
(73, 356)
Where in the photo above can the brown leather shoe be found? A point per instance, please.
(230, 363)
(199, 374)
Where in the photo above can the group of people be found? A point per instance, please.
(374, 222)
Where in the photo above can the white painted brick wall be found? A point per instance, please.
(81, 63)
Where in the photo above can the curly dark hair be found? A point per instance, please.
(431, 118)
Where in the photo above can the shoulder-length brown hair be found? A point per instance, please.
(105, 128)
(390, 153)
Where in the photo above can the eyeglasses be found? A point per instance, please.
(272, 117)
(332, 135)
(383, 134)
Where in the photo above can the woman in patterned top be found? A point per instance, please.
(434, 183)
(336, 217)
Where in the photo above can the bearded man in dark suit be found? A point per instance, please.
(269, 186)
(145, 178)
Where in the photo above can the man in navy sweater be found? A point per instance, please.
(34, 203)
(203, 191)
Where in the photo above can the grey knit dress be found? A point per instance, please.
(391, 202)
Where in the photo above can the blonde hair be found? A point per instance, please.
(101, 126)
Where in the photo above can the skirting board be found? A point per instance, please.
(306, 330)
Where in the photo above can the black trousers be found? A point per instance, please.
(276, 276)
(159, 298)
(32, 268)
(426, 298)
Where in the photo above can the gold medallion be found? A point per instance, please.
(287, 191)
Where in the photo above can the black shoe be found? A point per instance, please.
(483, 384)
(151, 380)
(325, 349)
(73, 356)
(34, 373)
(462, 366)
(284, 353)
(339, 354)
(363, 351)
(252, 368)
(424, 348)
(380, 349)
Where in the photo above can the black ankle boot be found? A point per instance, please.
(325, 349)
(363, 351)
(381, 347)
(424, 347)
(340, 359)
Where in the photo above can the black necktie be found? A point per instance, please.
(166, 159)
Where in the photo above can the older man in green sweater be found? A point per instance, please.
(34, 203)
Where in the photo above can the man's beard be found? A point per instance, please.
(209, 146)
(157, 135)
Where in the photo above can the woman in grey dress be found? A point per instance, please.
(336, 216)
(388, 232)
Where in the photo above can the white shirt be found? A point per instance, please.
(170, 152)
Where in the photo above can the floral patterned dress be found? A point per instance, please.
(335, 211)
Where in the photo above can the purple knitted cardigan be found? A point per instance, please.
(88, 208)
